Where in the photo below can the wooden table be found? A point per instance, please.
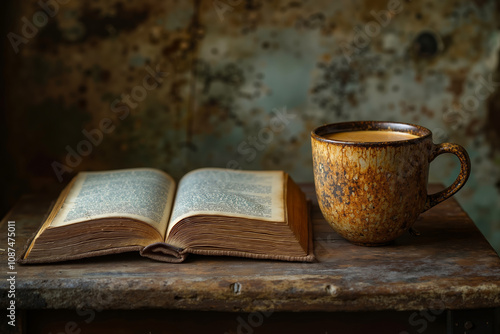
(404, 287)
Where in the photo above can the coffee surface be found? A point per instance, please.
(370, 136)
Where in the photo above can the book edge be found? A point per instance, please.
(53, 259)
(309, 257)
(161, 251)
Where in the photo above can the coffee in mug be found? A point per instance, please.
(370, 136)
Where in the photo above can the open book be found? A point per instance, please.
(257, 214)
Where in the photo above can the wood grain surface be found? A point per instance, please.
(450, 265)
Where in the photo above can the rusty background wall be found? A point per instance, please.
(240, 84)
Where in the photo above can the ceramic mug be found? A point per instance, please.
(372, 192)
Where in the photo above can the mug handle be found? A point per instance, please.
(462, 155)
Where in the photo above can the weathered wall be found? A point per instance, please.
(242, 84)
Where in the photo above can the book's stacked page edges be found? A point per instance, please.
(238, 213)
(104, 212)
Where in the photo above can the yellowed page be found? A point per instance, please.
(143, 194)
(232, 193)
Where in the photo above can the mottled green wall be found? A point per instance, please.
(242, 84)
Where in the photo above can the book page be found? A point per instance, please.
(143, 194)
(226, 192)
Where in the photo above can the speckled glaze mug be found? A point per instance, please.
(372, 192)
